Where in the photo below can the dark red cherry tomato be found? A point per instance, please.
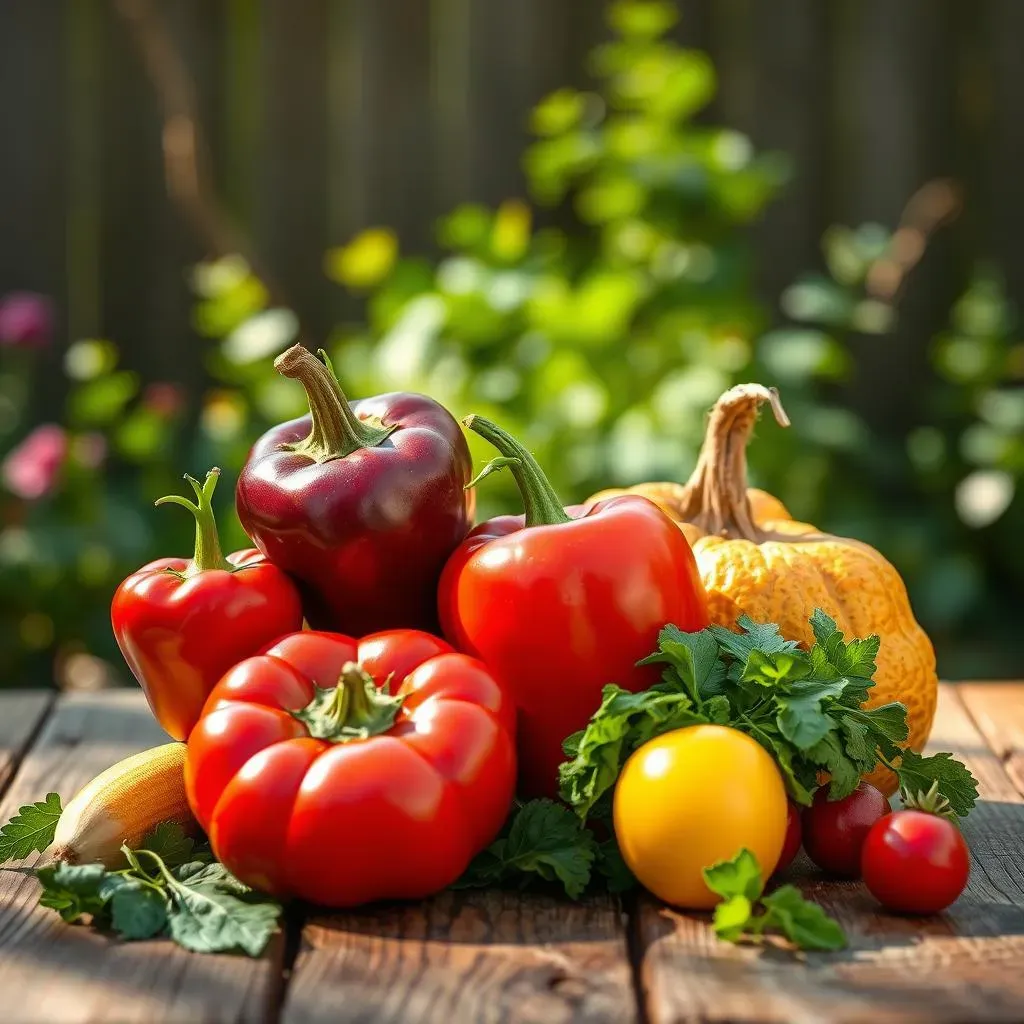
(794, 837)
(914, 862)
(834, 830)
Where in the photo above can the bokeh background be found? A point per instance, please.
(584, 220)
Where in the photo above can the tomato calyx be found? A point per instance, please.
(355, 709)
(930, 802)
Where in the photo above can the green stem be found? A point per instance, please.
(208, 554)
(355, 709)
(337, 431)
(540, 502)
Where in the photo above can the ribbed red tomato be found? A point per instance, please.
(314, 778)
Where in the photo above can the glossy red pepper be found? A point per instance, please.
(314, 778)
(561, 602)
(361, 503)
(182, 623)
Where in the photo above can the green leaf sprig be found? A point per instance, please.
(803, 707)
(170, 886)
(740, 883)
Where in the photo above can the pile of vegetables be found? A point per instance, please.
(675, 687)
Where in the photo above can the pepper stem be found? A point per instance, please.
(540, 502)
(337, 431)
(208, 554)
(355, 709)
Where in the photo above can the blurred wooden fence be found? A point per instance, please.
(324, 116)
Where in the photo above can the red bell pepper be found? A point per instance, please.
(361, 503)
(313, 779)
(561, 602)
(182, 623)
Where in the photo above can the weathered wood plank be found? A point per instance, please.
(998, 712)
(952, 967)
(56, 973)
(891, 116)
(20, 714)
(465, 957)
(34, 174)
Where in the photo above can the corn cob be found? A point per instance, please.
(123, 805)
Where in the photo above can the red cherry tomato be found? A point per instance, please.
(794, 837)
(914, 862)
(835, 830)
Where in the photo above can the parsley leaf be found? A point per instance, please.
(845, 773)
(612, 868)
(168, 839)
(623, 722)
(170, 887)
(801, 719)
(73, 890)
(542, 840)
(955, 781)
(740, 876)
(832, 656)
(804, 923)
(762, 637)
(739, 881)
(31, 830)
(695, 658)
(138, 910)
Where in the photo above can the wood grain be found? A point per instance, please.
(958, 966)
(998, 712)
(465, 957)
(54, 973)
(20, 715)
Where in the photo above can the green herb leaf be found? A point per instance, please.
(955, 781)
(31, 830)
(830, 756)
(612, 868)
(739, 881)
(888, 723)
(170, 842)
(804, 923)
(733, 917)
(801, 719)
(206, 919)
(740, 876)
(542, 840)
(138, 911)
(73, 890)
(213, 873)
(833, 656)
(623, 722)
(762, 637)
(775, 670)
(694, 657)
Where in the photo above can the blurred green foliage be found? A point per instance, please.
(598, 323)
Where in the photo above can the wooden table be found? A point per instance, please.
(507, 957)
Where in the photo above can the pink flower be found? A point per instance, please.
(26, 320)
(31, 469)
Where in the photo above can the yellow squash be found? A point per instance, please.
(755, 560)
(123, 805)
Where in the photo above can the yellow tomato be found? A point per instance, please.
(693, 797)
